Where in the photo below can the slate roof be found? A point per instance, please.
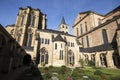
(56, 32)
(63, 21)
(59, 38)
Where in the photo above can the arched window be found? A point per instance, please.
(55, 45)
(29, 39)
(82, 40)
(32, 22)
(87, 40)
(86, 27)
(44, 55)
(70, 57)
(22, 21)
(105, 37)
(81, 31)
(61, 55)
(77, 32)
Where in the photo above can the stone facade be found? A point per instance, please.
(51, 47)
(99, 35)
(95, 39)
(12, 55)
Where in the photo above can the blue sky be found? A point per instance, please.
(55, 9)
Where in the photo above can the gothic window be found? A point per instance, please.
(68, 43)
(87, 39)
(55, 45)
(63, 26)
(77, 32)
(42, 40)
(86, 27)
(70, 57)
(19, 37)
(46, 41)
(61, 54)
(105, 37)
(73, 45)
(52, 37)
(29, 39)
(81, 29)
(22, 21)
(44, 55)
(82, 42)
(32, 22)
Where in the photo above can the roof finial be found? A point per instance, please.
(63, 21)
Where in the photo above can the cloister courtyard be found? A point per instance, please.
(65, 73)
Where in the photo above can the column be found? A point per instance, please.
(97, 59)
(109, 59)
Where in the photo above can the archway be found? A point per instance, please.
(116, 59)
(44, 55)
(70, 57)
(27, 59)
(86, 59)
(103, 60)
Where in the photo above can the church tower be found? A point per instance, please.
(63, 27)
(28, 21)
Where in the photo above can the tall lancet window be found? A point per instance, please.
(22, 20)
(32, 22)
(105, 37)
(19, 35)
(29, 39)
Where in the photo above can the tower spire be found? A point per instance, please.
(63, 21)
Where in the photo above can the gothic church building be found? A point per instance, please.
(96, 38)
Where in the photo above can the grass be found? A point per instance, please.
(63, 73)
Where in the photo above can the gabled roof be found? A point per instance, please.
(59, 38)
(91, 12)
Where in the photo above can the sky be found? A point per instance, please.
(55, 9)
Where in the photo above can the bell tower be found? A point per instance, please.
(63, 27)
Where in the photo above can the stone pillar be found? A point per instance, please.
(109, 59)
(97, 59)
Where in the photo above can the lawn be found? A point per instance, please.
(62, 73)
(77, 73)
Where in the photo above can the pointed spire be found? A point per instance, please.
(63, 21)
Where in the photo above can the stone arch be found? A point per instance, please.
(44, 55)
(86, 58)
(92, 57)
(27, 59)
(103, 59)
(116, 59)
(70, 57)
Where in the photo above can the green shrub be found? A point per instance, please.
(98, 72)
(62, 70)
